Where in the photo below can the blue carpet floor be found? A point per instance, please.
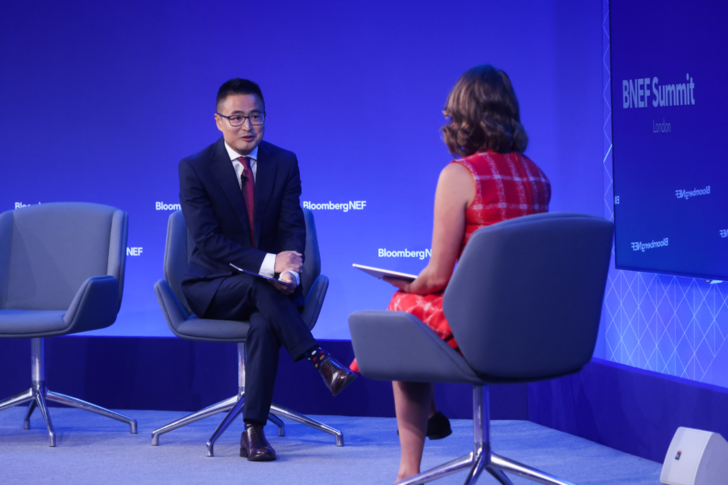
(96, 450)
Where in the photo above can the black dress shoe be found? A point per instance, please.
(438, 427)
(254, 446)
(336, 376)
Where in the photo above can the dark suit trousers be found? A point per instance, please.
(274, 321)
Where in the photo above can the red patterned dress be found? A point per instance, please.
(507, 185)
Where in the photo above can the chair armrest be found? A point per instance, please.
(315, 300)
(174, 312)
(397, 346)
(95, 305)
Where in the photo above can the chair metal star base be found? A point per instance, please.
(39, 395)
(234, 406)
(482, 458)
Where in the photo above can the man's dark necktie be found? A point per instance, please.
(248, 187)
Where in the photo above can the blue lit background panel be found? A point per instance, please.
(101, 100)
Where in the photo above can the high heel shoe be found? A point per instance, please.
(438, 427)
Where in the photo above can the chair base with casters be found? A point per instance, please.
(38, 396)
(234, 406)
(482, 457)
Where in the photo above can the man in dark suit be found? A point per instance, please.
(240, 198)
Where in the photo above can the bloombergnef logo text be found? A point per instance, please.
(640, 246)
(405, 253)
(355, 205)
(161, 206)
(686, 194)
(20, 205)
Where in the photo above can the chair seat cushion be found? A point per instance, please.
(31, 323)
(213, 330)
(411, 351)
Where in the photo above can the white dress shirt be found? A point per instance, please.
(269, 263)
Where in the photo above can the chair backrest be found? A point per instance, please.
(180, 244)
(525, 299)
(48, 250)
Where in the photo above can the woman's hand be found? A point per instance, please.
(400, 283)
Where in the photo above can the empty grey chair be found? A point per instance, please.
(524, 305)
(61, 272)
(185, 325)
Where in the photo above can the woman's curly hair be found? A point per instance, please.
(482, 110)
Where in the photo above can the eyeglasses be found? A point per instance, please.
(238, 120)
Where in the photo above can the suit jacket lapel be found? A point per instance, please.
(224, 172)
(265, 175)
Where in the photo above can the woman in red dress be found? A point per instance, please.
(490, 181)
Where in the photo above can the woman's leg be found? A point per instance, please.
(412, 402)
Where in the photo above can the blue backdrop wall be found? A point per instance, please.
(100, 100)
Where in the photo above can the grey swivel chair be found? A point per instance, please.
(61, 272)
(185, 325)
(524, 305)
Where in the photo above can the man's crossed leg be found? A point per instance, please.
(274, 322)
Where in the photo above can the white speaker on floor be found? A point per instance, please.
(696, 457)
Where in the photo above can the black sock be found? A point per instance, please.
(315, 356)
(252, 422)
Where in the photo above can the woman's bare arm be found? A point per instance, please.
(455, 192)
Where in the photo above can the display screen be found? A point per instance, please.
(669, 104)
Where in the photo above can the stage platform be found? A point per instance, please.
(92, 450)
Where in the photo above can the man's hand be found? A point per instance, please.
(285, 289)
(289, 261)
